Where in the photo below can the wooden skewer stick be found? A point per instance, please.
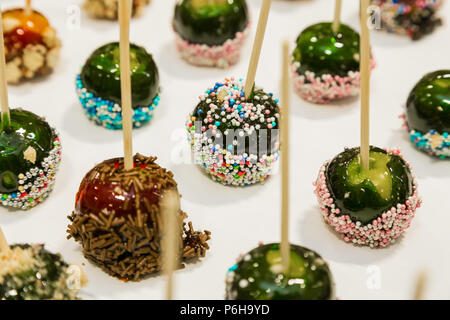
(3, 85)
(365, 86)
(257, 45)
(337, 15)
(4, 247)
(170, 241)
(125, 81)
(28, 9)
(420, 286)
(285, 100)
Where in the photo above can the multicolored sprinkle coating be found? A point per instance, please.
(108, 114)
(381, 232)
(221, 56)
(224, 113)
(412, 18)
(43, 179)
(432, 142)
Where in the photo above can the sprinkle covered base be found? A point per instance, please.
(382, 231)
(220, 56)
(235, 140)
(108, 114)
(427, 116)
(35, 185)
(327, 87)
(432, 142)
(117, 219)
(415, 18)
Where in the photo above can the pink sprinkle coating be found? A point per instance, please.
(327, 87)
(382, 231)
(202, 55)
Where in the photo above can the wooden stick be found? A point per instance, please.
(285, 100)
(3, 85)
(257, 45)
(337, 15)
(365, 86)
(4, 247)
(420, 286)
(125, 81)
(170, 241)
(28, 9)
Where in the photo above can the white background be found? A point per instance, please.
(239, 218)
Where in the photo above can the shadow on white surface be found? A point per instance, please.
(205, 191)
(320, 237)
(101, 285)
(335, 109)
(78, 126)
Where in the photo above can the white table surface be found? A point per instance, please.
(240, 218)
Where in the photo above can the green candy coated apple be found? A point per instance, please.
(322, 51)
(258, 276)
(24, 143)
(210, 22)
(365, 195)
(428, 105)
(101, 74)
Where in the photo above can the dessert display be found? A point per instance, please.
(108, 9)
(210, 32)
(31, 45)
(368, 207)
(428, 114)
(98, 86)
(325, 64)
(117, 218)
(258, 275)
(30, 153)
(413, 18)
(231, 137)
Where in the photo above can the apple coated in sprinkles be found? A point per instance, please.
(369, 208)
(427, 117)
(219, 125)
(414, 18)
(325, 64)
(98, 86)
(211, 33)
(30, 153)
(117, 219)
